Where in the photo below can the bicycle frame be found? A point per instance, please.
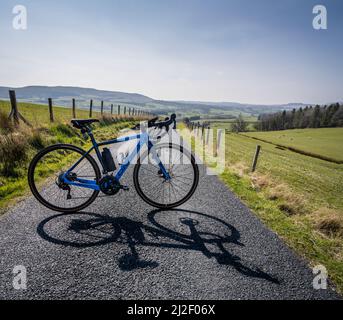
(143, 138)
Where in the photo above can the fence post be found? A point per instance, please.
(118, 109)
(219, 139)
(15, 114)
(102, 107)
(125, 110)
(257, 153)
(111, 109)
(51, 112)
(208, 135)
(91, 109)
(74, 109)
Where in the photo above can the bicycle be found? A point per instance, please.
(165, 176)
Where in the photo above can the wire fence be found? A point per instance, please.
(116, 112)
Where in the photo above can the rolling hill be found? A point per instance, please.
(63, 95)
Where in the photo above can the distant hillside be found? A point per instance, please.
(63, 95)
(40, 94)
(233, 108)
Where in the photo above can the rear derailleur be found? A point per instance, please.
(62, 185)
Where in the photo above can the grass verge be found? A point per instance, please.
(18, 145)
(298, 197)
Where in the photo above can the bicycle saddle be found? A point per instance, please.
(79, 123)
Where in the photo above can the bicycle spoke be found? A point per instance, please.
(181, 170)
(52, 165)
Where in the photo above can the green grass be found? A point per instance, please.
(12, 187)
(294, 194)
(296, 231)
(13, 181)
(326, 142)
(318, 180)
(227, 124)
(38, 115)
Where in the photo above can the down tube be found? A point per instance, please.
(143, 140)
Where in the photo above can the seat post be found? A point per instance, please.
(95, 145)
(91, 135)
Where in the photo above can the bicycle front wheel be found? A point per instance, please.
(45, 173)
(150, 183)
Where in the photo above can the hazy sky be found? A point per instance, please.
(252, 51)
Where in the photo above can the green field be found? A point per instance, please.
(318, 180)
(19, 145)
(326, 142)
(297, 196)
(38, 114)
(227, 124)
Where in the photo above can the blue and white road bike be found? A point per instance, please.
(165, 175)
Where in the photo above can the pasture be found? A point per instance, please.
(326, 142)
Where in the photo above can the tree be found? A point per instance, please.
(337, 119)
(239, 125)
(309, 117)
(315, 117)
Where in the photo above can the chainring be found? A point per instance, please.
(109, 185)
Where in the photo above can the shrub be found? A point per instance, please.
(6, 125)
(36, 140)
(106, 120)
(13, 152)
(63, 129)
(329, 222)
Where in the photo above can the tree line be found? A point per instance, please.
(308, 117)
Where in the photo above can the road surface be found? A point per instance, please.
(213, 247)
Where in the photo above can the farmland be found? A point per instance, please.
(227, 124)
(318, 180)
(326, 142)
(38, 114)
(297, 196)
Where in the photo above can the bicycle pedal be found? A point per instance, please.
(125, 188)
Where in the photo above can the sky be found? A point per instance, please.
(248, 51)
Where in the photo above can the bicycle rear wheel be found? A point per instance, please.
(44, 178)
(151, 185)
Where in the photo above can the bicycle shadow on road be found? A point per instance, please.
(173, 229)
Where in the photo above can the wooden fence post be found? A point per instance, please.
(102, 107)
(125, 110)
(51, 112)
(257, 153)
(111, 108)
(91, 109)
(15, 114)
(118, 109)
(74, 109)
(219, 139)
(208, 135)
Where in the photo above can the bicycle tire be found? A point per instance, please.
(170, 205)
(33, 187)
